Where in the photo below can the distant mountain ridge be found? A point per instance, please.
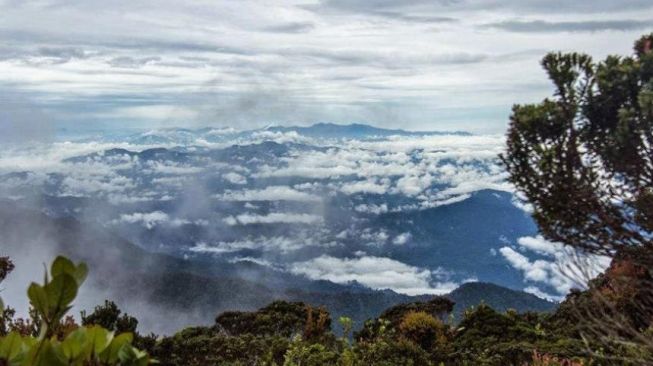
(498, 297)
(333, 131)
(356, 130)
(123, 272)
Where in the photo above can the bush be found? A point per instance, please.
(60, 341)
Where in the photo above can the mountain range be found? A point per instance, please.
(179, 292)
(351, 216)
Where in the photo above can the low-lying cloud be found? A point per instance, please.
(560, 267)
(375, 272)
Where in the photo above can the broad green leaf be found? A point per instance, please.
(129, 356)
(61, 291)
(111, 354)
(75, 345)
(80, 273)
(99, 339)
(62, 265)
(11, 346)
(38, 298)
(45, 353)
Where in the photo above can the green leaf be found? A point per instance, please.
(80, 273)
(99, 338)
(62, 265)
(45, 353)
(75, 345)
(11, 346)
(129, 355)
(111, 354)
(38, 298)
(61, 291)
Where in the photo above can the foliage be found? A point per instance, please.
(203, 346)
(548, 360)
(486, 337)
(285, 333)
(438, 307)
(584, 159)
(426, 331)
(60, 341)
(6, 266)
(309, 354)
(109, 317)
(500, 298)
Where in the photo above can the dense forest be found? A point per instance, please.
(583, 159)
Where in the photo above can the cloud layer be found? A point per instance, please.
(559, 267)
(374, 272)
(418, 64)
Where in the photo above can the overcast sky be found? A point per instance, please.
(414, 64)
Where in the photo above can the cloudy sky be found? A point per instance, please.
(415, 64)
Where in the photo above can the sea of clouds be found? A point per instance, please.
(301, 204)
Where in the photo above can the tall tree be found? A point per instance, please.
(584, 157)
(6, 266)
(584, 160)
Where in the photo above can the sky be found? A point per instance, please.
(412, 64)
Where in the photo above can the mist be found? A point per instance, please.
(23, 122)
(178, 225)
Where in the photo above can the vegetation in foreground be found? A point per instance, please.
(584, 160)
(50, 337)
(294, 333)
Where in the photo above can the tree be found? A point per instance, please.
(423, 329)
(109, 316)
(584, 159)
(6, 266)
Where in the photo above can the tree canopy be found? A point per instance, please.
(584, 157)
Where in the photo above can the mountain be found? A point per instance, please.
(167, 293)
(331, 131)
(498, 297)
(355, 131)
(462, 235)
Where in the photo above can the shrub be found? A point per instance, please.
(60, 341)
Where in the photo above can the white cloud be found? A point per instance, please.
(170, 168)
(272, 218)
(402, 239)
(541, 294)
(375, 238)
(540, 245)
(272, 193)
(85, 185)
(147, 219)
(374, 272)
(235, 178)
(275, 244)
(393, 68)
(414, 185)
(372, 208)
(151, 219)
(538, 271)
(561, 268)
(366, 186)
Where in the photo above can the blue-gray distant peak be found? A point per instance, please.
(356, 131)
